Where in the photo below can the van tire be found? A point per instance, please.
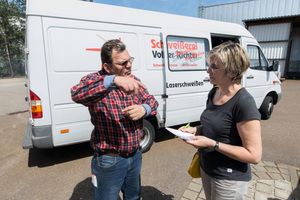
(148, 136)
(266, 108)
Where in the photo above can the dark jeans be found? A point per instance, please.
(110, 174)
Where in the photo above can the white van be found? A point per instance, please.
(63, 41)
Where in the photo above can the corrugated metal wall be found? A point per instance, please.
(253, 9)
(273, 38)
(271, 32)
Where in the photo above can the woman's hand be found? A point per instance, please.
(201, 142)
(193, 130)
(190, 129)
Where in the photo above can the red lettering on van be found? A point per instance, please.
(156, 44)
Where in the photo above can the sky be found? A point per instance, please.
(178, 7)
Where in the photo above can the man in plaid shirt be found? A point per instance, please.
(117, 103)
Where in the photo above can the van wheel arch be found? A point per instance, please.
(267, 107)
(148, 136)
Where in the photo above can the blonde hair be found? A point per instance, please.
(234, 58)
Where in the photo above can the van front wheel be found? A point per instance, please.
(266, 108)
(148, 136)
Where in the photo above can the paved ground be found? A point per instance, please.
(64, 172)
(270, 181)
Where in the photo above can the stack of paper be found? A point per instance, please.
(180, 134)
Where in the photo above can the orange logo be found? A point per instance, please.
(97, 49)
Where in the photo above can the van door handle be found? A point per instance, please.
(250, 77)
(206, 79)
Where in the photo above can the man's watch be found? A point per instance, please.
(216, 146)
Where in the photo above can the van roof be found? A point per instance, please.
(75, 9)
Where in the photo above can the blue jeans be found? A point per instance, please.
(110, 175)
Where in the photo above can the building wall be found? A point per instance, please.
(294, 59)
(252, 9)
(273, 38)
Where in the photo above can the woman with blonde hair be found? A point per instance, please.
(229, 137)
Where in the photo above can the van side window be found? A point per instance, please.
(185, 53)
(219, 39)
(257, 58)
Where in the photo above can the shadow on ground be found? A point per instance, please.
(58, 155)
(83, 190)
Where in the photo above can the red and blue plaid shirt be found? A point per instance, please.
(112, 130)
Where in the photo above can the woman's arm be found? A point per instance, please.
(250, 152)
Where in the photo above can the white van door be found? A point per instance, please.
(73, 51)
(257, 78)
(186, 80)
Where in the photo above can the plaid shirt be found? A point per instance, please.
(112, 131)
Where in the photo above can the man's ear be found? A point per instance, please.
(106, 68)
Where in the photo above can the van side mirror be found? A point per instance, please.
(274, 66)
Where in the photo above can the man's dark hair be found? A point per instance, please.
(107, 48)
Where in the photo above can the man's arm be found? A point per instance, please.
(149, 102)
(90, 89)
(129, 85)
(147, 106)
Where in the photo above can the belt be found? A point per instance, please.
(116, 154)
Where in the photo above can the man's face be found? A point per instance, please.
(121, 64)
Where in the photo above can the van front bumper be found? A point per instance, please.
(279, 97)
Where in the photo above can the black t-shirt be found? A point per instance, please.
(219, 123)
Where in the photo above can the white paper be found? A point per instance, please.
(180, 134)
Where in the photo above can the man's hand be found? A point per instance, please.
(134, 112)
(128, 85)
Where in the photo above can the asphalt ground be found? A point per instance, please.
(64, 172)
